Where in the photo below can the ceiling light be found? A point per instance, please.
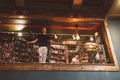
(20, 34)
(19, 27)
(55, 36)
(20, 21)
(91, 38)
(20, 16)
(76, 35)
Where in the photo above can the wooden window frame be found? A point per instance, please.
(70, 67)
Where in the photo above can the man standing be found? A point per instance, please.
(44, 45)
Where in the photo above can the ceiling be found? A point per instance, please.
(114, 12)
(59, 8)
(55, 14)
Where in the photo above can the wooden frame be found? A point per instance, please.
(70, 67)
(57, 67)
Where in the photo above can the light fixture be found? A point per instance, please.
(55, 36)
(76, 35)
(19, 27)
(20, 21)
(91, 38)
(20, 34)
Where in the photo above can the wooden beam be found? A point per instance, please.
(77, 4)
(20, 3)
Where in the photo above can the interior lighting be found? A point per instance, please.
(20, 34)
(55, 36)
(91, 38)
(76, 35)
(19, 27)
(20, 21)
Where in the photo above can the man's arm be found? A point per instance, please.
(34, 41)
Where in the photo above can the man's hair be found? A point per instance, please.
(43, 27)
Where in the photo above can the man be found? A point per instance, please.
(44, 44)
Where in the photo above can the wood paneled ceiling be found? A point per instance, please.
(59, 8)
(54, 13)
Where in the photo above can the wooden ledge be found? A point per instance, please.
(57, 67)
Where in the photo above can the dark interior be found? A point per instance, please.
(54, 14)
